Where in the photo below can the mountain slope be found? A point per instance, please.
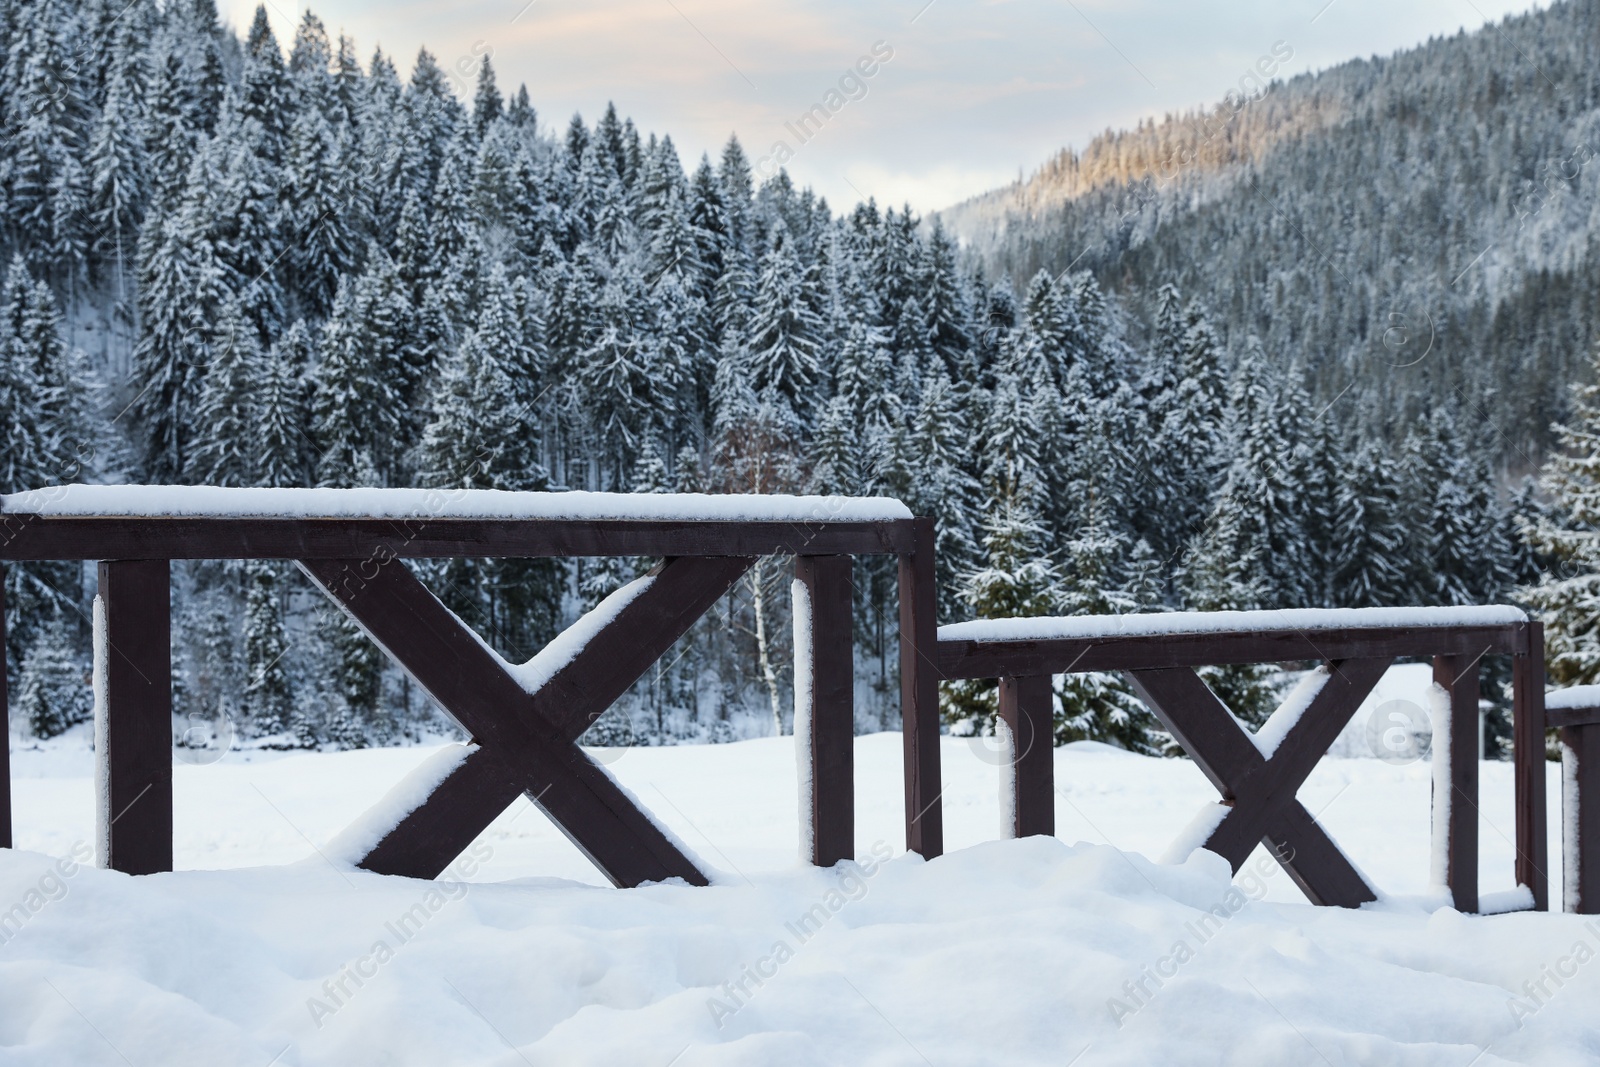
(1414, 230)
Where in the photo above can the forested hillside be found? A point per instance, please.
(1420, 230)
(238, 264)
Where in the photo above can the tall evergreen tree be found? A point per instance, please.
(1371, 565)
(268, 701)
(487, 104)
(225, 441)
(785, 324)
(53, 696)
(265, 94)
(279, 438)
(1097, 706)
(1016, 580)
(1567, 595)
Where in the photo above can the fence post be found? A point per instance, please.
(1026, 709)
(919, 693)
(1458, 677)
(824, 701)
(1527, 703)
(133, 716)
(1580, 816)
(5, 703)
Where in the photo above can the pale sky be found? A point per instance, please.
(974, 91)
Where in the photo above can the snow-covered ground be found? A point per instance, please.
(259, 951)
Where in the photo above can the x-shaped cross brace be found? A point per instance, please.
(526, 741)
(1260, 791)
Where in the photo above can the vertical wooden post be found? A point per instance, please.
(919, 694)
(825, 678)
(5, 708)
(1580, 818)
(133, 716)
(1026, 709)
(1458, 677)
(1527, 732)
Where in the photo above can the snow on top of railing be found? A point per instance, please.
(160, 501)
(1576, 698)
(1081, 627)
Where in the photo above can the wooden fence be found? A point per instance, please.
(524, 736)
(1575, 714)
(1159, 653)
(523, 742)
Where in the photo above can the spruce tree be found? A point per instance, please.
(118, 181)
(311, 68)
(54, 693)
(47, 437)
(1016, 580)
(226, 439)
(1371, 564)
(1258, 513)
(1011, 446)
(785, 326)
(22, 460)
(267, 699)
(279, 440)
(1222, 571)
(614, 372)
(1096, 706)
(181, 292)
(265, 94)
(1567, 595)
(358, 407)
(945, 303)
(933, 476)
(320, 211)
(836, 451)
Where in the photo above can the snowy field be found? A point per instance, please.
(260, 951)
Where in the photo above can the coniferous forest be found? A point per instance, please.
(253, 262)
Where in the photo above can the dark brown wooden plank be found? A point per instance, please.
(134, 760)
(1527, 732)
(996, 659)
(1580, 831)
(824, 667)
(680, 592)
(1557, 718)
(1263, 790)
(1200, 723)
(430, 838)
(450, 664)
(5, 702)
(1458, 677)
(587, 805)
(427, 641)
(919, 694)
(1318, 867)
(1262, 800)
(1026, 706)
(25, 537)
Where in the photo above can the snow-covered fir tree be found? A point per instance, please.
(267, 699)
(1096, 706)
(52, 696)
(1567, 594)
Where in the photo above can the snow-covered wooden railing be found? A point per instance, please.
(1575, 715)
(524, 720)
(1258, 774)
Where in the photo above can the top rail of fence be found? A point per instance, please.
(208, 522)
(1018, 647)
